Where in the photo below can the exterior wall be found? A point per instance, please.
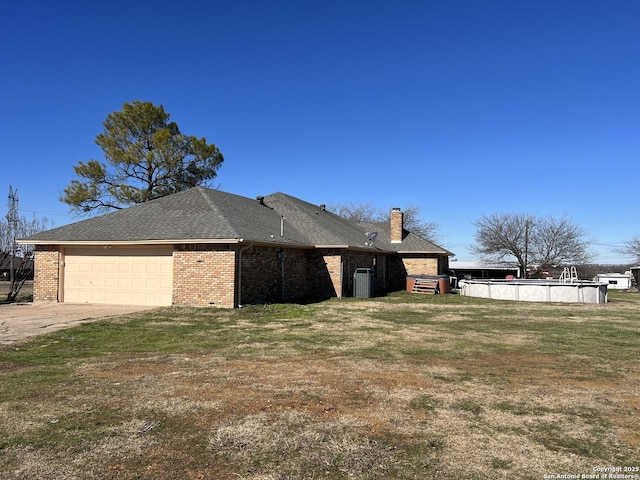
(46, 279)
(273, 274)
(402, 265)
(381, 272)
(351, 261)
(260, 275)
(204, 275)
(221, 276)
(415, 265)
(295, 273)
(324, 273)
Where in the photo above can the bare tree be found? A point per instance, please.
(18, 258)
(369, 213)
(358, 212)
(559, 241)
(631, 248)
(530, 240)
(414, 224)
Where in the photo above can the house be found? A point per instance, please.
(21, 266)
(206, 247)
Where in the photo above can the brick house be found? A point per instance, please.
(207, 247)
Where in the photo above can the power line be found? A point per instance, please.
(45, 212)
(614, 244)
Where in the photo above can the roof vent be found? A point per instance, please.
(323, 207)
(260, 200)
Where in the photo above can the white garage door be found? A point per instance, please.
(121, 276)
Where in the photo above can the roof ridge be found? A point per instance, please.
(206, 195)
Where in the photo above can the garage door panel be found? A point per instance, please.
(125, 276)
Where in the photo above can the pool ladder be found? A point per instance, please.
(569, 276)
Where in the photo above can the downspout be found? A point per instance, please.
(239, 295)
(282, 255)
(341, 276)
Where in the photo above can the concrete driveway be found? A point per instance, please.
(21, 321)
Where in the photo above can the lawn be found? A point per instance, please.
(404, 386)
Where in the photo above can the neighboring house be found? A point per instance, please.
(18, 263)
(207, 247)
(619, 281)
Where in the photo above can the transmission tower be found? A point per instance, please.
(12, 222)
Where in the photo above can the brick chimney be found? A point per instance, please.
(397, 225)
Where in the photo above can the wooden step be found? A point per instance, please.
(426, 286)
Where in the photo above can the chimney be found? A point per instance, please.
(397, 225)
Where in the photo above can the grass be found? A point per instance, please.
(404, 386)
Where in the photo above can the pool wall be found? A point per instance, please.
(536, 290)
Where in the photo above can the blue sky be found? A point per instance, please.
(462, 108)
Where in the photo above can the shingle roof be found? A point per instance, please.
(203, 214)
(316, 225)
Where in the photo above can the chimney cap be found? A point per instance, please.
(396, 209)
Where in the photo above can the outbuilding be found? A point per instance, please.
(619, 281)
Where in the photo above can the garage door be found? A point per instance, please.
(120, 276)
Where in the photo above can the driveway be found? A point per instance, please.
(21, 321)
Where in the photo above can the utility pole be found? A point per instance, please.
(12, 222)
(526, 246)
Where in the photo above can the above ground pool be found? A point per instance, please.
(520, 290)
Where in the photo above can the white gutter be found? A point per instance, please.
(420, 251)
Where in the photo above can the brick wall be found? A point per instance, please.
(204, 275)
(323, 273)
(421, 266)
(46, 278)
(260, 275)
(412, 264)
(295, 273)
(351, 261)
(273, 274)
